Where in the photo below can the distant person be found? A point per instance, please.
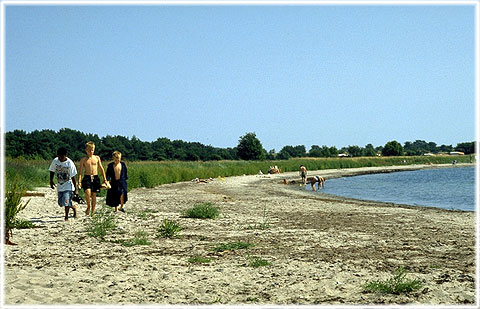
(90, 181)
(303, 174)
(65, 170)
(117, 176)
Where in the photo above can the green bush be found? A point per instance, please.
(202, 211)
(199, 260)
(168, 229)
(258, 262)
(102, 222)
(397, 284)
(13, 206)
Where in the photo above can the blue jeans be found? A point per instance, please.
(65, 198)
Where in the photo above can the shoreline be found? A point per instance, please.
(339, 173)
(321, 251)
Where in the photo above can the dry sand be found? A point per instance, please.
(322, 249)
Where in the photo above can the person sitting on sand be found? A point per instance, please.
(303, 174)
(65, 170)
(117, 176)
(90, 182)
(316, 179)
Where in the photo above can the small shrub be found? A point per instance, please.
(199, 260)
(13, 206)
(102, 222)
(395, 285)
(168, 229)
(232, 246)
(23, 224)
(202, 211)
(258, 262)
(140, 239)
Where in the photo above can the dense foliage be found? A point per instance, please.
(43, 145)
(250, 148)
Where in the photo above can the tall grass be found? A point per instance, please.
(34, 173)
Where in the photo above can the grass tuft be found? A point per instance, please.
(102, 222)
(258, 262)
(202, 211)
(397, 284)
(168, 229)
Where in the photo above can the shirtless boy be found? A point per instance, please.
(303, 173)
(90, 181)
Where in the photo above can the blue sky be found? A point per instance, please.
(333, 75)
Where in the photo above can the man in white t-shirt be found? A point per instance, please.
(65, 170)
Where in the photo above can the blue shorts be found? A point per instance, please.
(65, 198)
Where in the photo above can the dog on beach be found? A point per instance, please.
(316, 179)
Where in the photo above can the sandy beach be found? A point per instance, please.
(322, 249)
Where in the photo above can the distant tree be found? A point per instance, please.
(466, 147)
(355, 151)
(315, 151)
(271, 155)
(250, 148)
(393, 148)
(369, 151)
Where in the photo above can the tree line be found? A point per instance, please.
(43, 144)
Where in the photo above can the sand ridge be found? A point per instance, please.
(322, 249)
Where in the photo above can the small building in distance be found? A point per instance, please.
(457, 153)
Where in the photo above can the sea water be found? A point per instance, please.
(448, 188)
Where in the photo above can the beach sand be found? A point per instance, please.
(322, 250)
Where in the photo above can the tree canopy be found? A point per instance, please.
(43, 144)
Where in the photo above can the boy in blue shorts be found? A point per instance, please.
(65, 170)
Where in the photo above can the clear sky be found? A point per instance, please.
(333, 75)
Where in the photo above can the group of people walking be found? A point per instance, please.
(114, 180)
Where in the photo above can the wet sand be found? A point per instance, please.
(322, 249)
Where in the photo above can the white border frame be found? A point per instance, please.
(474, 3)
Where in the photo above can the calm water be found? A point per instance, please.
(449, 188)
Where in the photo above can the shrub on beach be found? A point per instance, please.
(199, 260)
(168, 229)
(202, 211)
(397, 284)
(102, 222)
(13, 206)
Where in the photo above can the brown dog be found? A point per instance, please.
(316, 179)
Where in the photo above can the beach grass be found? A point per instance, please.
(202, 211)
(168, 229)
(102, 222)
(148, 174)
(256, 262)
(397, 284)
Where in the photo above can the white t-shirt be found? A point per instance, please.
(64, 171)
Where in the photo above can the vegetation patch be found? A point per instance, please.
(397, 284)
(233, 246)
(202, 211)
(13, 206)
(140, 239)
(255, 261)
(102, 222)
(24, 224)
(168, 229)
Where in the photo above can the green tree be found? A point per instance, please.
(370, 151)
(250, 148)
(467, 147)
(393, 148)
